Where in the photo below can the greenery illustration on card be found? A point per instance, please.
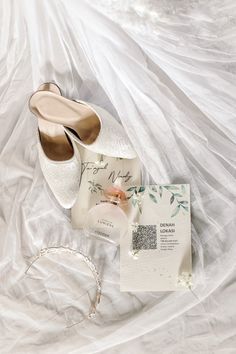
(156, 250)
(176, 193)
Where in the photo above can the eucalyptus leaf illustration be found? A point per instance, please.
(172, 198)
(171, 188)
(177, 195)
(154, 189)
(180, 203)
(160, 191)
(153, 198)
(140, 208)
(141, 189)
(95, 187)
(131, 189)
(176, 210)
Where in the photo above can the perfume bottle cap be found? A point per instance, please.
(115, 195)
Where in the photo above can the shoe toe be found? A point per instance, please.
(63, 178)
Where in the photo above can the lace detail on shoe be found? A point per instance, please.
(63, 177)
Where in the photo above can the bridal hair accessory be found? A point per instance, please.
(66, 250)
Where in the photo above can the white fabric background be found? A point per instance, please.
(167, 69)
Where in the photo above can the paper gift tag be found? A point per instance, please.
(155, 254)
(98, 173)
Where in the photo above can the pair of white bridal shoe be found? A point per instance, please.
(61, 123)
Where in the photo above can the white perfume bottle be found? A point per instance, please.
(107, 220)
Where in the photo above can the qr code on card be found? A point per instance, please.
(144, 237)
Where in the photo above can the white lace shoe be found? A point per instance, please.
(58, 156)
(89, 125)
(63, 177)
(111, 139)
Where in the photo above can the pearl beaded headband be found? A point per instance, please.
(86, 259)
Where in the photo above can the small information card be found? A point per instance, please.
(155, 254)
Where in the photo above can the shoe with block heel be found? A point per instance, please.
(86, 123)
(58, 155)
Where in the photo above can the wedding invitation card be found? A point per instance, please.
(98, 173)
(155, 253)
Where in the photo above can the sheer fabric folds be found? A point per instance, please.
(167, 72)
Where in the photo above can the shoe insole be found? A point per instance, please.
(49, 86)
(54, 141)
(78, 117)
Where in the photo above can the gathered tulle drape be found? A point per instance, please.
(167, 72)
